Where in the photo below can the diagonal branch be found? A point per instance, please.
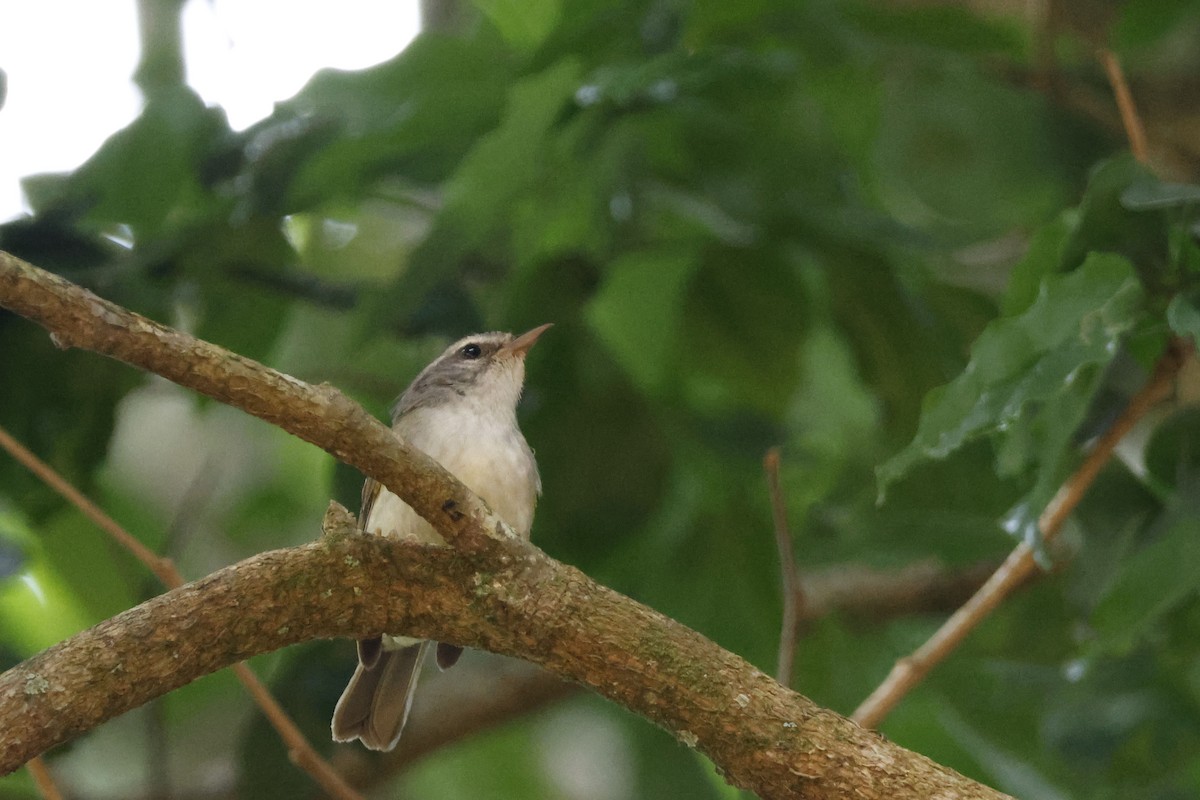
(1131, 121)
(1020, 565)
(866, 595)
(43, 780)
(487, 590)
(321, 414)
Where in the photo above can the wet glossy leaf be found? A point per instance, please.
(1076, 322)
(1042, 259)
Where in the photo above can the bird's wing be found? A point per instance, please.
(369, 650)
(370, 491)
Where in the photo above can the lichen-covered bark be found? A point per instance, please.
(488, 590)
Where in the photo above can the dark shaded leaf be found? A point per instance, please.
(1184, 318)
(1154, 581)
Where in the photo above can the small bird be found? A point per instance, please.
(461, 410)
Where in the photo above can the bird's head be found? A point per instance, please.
(485, 370)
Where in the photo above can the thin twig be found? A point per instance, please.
(162, 567)
(864, 595)
(42, 779)
(1134, 130)
(793, 593)
(1020, 564)
(299, 749)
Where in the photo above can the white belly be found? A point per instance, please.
(487, 454)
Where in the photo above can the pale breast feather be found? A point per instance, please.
(479, 450)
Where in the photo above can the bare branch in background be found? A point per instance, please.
(43, 780)
(793, 592)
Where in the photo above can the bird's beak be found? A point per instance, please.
(520, 345)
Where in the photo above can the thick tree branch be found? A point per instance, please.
(452, 706)
(495, 695)
(321, 414)
(490, 590)
(299, 750)
(515, 601)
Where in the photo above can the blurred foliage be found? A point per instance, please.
(756, 223)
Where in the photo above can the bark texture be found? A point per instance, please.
(488, 590)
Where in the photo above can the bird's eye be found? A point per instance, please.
(471, 351)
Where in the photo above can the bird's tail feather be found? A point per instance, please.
(377, 700)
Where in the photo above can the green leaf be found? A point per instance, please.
(743, 322)
(834, 415)
(148, 174)
(962, 151)
(502, 166)
(509, 157)
(524, 24)
(1141, 26)
(505, 762)
(39, 605)
(638, 311)
(1020, 362)
(1149, 193)
(1172, 455)
(1042, 442)
(1042, 258)
(1184, 317)
(946, 27)
(61, 407)
(1106, 224)
(414, 115)
(1154, 581)
(1006, 769)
